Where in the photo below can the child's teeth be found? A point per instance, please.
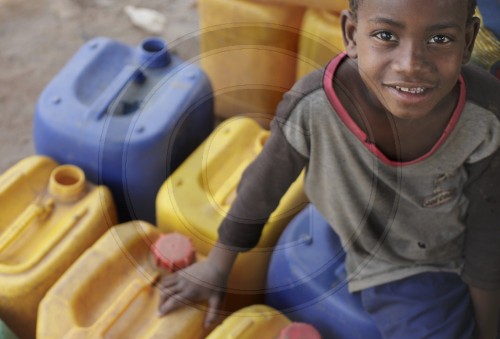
(416, 90)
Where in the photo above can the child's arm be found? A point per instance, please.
(486, 305)
(259, 192)
(263, 184)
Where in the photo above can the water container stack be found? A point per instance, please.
(320, 39)
(133, 127)
(197, 196)
(49, 215)
(248, 50)
(307, 280)
(127, 115)
(109, 292)
(254, 50)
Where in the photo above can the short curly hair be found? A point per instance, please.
(471, 4)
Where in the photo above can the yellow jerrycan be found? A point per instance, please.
(248, 51)
(329, 5)
(263, 322)
(320, 40)
(110, 291)
(49, 215)
(197, 196)
(254, 321)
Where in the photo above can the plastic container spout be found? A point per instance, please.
(67, 183)
(153, 53)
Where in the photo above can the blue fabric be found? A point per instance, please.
(427, 305)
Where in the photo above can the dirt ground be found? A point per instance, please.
(38, 37)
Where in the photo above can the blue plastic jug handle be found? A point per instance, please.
(101, 105)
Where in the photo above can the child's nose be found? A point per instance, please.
(412, 58)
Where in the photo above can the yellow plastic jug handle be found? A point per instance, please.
(226, 193)
(67, 225)
(113, 312)
(33, 212)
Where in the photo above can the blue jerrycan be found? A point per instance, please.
(307, 280)
(126, 115)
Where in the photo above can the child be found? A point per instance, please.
(402, 157)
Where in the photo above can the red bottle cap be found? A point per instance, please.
(173, 251)
(298, 330)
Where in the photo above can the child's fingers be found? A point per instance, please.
(167, 292)
(214, 304)
(173, 302)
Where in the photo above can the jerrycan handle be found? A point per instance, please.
(152, 54)
(66, 184)
(172, 251)
(120, 305)
(21, 223)
(226, 193)
(101, 105)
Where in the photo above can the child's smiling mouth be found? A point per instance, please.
(412, 90)
(410, 93)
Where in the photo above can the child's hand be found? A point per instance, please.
(200, 281)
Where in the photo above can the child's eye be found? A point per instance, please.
(385, 36)
(439, 39)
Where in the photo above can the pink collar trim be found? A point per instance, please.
(354, 128)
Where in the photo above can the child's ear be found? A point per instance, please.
(470, 38)
(349, 31)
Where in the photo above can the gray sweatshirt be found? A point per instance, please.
(440, 212)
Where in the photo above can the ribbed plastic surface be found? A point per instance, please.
(173, 251)
(49, 215)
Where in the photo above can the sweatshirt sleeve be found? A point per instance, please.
(482, 246)
(259, 192)
(267, 179)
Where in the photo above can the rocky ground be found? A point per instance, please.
(38, 37)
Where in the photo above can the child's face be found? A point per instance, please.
(410, 52)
